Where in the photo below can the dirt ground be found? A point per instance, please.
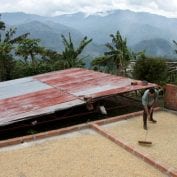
(80, 154)
(163, 135)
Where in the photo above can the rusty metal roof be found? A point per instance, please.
(46, 93)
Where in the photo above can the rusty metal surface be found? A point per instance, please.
(82, 82)
(37, 102)
(46, 93)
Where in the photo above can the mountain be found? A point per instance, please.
(142, 30)
(20, 17)
(134, 26)
(49, 33)
(155, 47)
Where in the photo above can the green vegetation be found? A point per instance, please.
(116, 59)
(70, 55)
(7, 46)
(151, 69)
(176, 45)
(173, 70)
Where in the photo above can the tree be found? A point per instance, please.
(151, 69)
(2, 26)
(173, 70)
(6, 61)
(29, 49)
(22, 56)
(117, 57)
(53, 60)
(104, 65)
(71, 55)
(175, 44)
(36, 59)
(7, 46)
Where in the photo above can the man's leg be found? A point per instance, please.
(144, 120)
(151, 116)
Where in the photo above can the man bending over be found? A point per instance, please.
(149, 99)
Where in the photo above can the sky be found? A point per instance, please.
(166, 8)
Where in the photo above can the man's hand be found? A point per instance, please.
(148, 112)
(146, 109)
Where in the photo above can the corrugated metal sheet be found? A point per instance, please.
(82, 82)
(46, 93)
(20, 87)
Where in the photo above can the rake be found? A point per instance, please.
(145, 142)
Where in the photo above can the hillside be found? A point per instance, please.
(49, 33)
(142, 30)
(155, 47)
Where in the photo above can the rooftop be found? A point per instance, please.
(30, 97)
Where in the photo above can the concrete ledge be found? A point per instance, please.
(51, 133)
(19, 140)
(122, 117)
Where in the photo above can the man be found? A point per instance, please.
(149, 99)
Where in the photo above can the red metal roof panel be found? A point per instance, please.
(12, 108)
(47, 93)
(82, 82)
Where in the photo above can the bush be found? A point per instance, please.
(151, 69)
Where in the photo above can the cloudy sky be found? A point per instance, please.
(56, 7)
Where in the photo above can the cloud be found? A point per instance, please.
(57, 7)
(165, 7)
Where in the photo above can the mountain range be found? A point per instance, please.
(143, 31)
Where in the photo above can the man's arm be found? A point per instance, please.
(147, 111)
(156, 94)
(145, 102)
(155, 98)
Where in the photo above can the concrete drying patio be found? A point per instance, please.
(163, 135)
(81, 151)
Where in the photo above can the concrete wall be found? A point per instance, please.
(170, 101)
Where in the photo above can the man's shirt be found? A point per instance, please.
(147, 99)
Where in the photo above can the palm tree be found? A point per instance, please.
(71, 55)
(118, 55)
